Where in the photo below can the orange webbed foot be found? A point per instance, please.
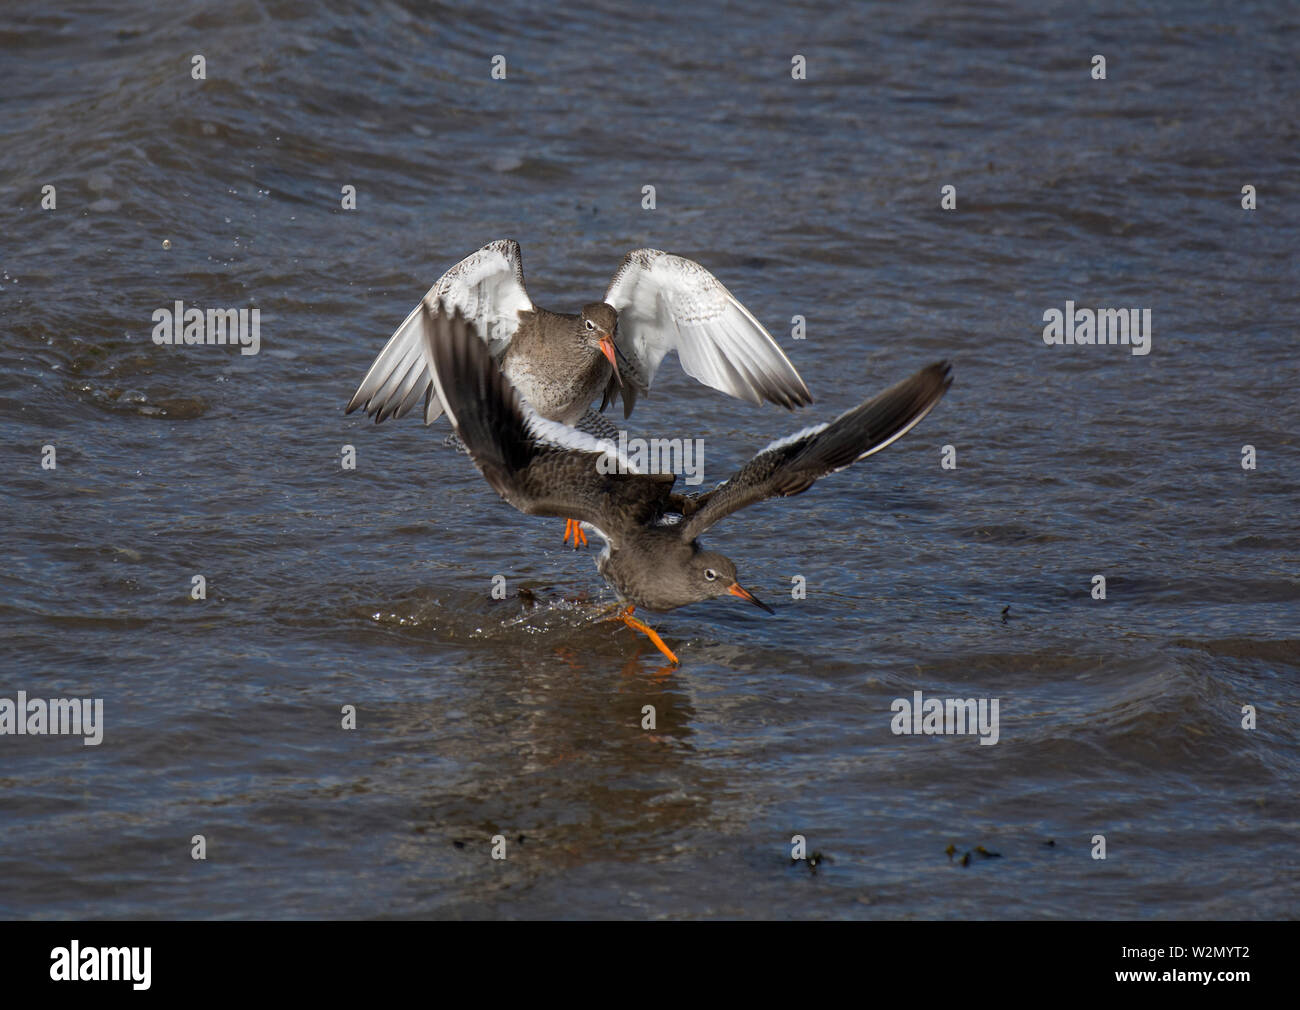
(626, 617)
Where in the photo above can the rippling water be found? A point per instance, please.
(480, 717)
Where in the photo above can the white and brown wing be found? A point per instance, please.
(793, 464)
(540, 467)
(669, 303)
(487, 287)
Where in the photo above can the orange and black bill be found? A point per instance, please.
(607, 349)
(736, 589)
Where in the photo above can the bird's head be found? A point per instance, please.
(712, 574)
(599, 325)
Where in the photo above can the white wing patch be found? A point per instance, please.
(488, 288)
(669, 303)
(555, 433)
(819, 428)
(798, 436)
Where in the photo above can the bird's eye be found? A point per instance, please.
(590, 325)
(710, 574)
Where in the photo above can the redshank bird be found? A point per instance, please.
(652, 557)
(559, 362)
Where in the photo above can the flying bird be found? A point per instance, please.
(652, 557)
(560, 362)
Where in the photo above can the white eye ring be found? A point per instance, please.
(710, 574)
(590, 325)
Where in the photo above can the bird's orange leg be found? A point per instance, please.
(572, 527)
(626, 617)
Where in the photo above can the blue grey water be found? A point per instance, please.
(478, 717)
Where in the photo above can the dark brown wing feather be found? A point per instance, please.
(513, 447)
(792, 465)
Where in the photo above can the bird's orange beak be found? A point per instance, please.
(607, 349)
(736, 589)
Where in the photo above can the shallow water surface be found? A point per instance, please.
(479, 717)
